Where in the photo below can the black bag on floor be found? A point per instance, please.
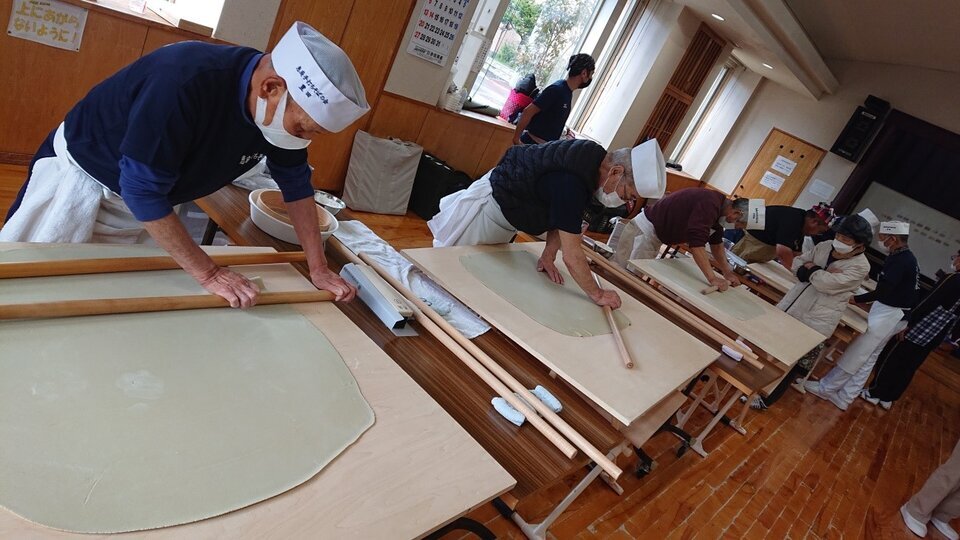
(434, 181)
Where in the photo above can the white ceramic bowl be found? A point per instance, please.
(282, 230)
(328, 201)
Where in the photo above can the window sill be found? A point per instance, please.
(120, 9)
(494, 121)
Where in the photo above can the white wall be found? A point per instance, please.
(927, 94)
(419, 79)
(731, 100)
(626, 105)
(247, 22)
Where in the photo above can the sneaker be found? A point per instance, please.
(912, 523)
(945, 529)
(886, 405)
(814, 388)
(865, 395)
(758, 404)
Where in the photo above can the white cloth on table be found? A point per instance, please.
(471, 217)
(257, 178)
(64, 204)
(359, 238)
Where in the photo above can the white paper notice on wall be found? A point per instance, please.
(772, 181)
(821, 189)
(783, 165)
(437, 27)
(48, 22)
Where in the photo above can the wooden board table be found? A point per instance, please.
(529, 457)
(666, 357)
(767, 328)
(412, 472)
(769, 331)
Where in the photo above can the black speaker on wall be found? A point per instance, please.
(861, 128)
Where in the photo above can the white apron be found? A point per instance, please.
(64, 204)
(881, 322)
(637, 241)
(471, 217)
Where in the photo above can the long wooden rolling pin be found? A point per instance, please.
(615, 330)
(647, 291)
(447, 341)
(109, 306)
(134, 264)
(490, 365)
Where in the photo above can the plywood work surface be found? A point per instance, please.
(773, 331)
(665, 356)
(414, 470)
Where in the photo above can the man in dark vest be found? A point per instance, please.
(544, 189)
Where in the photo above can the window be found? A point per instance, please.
(534, 36)
(709, 101)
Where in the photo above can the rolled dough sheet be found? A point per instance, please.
(562, 308)
(130, 422)
(731, 301)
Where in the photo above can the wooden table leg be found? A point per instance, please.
(698, 439)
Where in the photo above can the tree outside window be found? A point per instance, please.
(534, 36)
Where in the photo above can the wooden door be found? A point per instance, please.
(780, 170)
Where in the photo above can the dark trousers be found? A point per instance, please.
(772, 397)
(896, 366)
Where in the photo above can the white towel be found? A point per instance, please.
(63, 204)
(256, 178)
(507, 411)
(359, 238)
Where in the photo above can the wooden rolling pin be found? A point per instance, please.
(134, 264)
(498, 380)
(109, 306)
(615, 330)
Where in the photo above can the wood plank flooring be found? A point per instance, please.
(804, 470)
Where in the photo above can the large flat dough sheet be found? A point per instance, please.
(770, 329)
(665, 356)
(562, 308)
(129, 422)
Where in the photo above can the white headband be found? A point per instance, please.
(309, 86)
(894, 227)
(756, 214)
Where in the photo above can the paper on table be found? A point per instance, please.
(784, 165)
(772, 181)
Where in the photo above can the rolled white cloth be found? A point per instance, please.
(64, 204)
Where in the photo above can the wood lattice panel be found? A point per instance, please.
(701, 55)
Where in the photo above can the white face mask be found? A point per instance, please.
(841, 247)
(610, 200)
(274, 133)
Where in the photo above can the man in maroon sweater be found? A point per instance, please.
(692, 216)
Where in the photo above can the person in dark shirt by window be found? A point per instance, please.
(544, 119)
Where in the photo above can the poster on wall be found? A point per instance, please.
(436, 28)
(784, 165)
(48, 22)
(772, 181)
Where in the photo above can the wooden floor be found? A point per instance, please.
(804, 470)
